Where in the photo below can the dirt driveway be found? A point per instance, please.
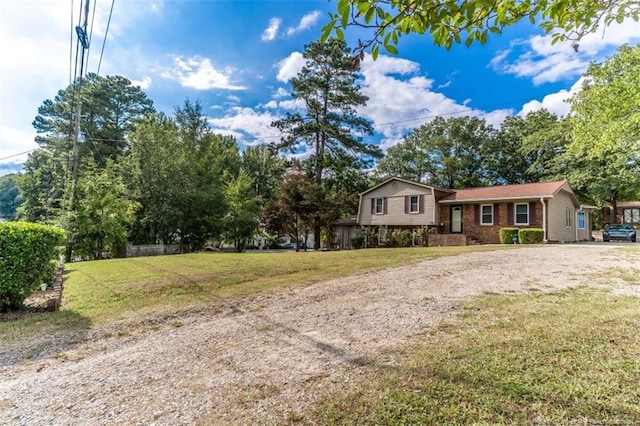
(266, 359)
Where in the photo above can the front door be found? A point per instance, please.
(456, 219)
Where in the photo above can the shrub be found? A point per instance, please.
(400, 238)
(27, 252)
(357, 242)
(507, 234)
(422, 236)
(531, 235)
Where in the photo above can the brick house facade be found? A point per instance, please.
(476, 215)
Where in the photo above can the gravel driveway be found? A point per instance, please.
(266, 359)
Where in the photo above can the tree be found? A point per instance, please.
(604, 150)
(178, 170)
(330, 127)
(111, 109)
(42, 186)
(243, 210)
(9, 199)
(470, 21)
(265, 168)
(449, 153)
(101, 221)
(524, 148)
(296, 208)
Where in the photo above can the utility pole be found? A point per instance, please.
(78, 137)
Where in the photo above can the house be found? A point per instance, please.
(460, 217)
(626, 212)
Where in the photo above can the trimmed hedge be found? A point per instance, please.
(507, 234)
(531, 235)
(27, 260)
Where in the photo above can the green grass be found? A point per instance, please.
(571, 356)
(108, 291)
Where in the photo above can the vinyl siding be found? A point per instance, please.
(395, 193)
(557, 229)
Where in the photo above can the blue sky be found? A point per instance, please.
(237, 56)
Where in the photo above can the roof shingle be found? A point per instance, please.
(505, 192)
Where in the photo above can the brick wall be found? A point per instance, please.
(441, 240)
(487, 234)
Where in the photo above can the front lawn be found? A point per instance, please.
(107, 291)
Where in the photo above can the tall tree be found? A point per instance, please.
(178, 170)
(469, 21)
(111, 108)
(449, 153)
(9, 197)
(327, 84)
(605, 146)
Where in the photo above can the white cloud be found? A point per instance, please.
(281, 92)
(144, 84)
(553, 102)
(198, 73)
(249, 126)
(401, 99)
(543, 62)
(290, 66)
(271, 31)
(307, 21)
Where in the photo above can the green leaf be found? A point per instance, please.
(375, 52)
(326, 30)
(391, 49)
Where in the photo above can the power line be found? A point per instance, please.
(104, 41)
(17, 155)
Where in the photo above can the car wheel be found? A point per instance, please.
(606, 241)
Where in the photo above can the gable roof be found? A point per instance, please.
(509, 192)
(423, 185)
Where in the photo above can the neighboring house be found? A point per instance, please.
(626, 212)
(476, 214)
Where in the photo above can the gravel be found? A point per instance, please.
(268, 358)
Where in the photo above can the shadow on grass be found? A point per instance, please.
(29, 335)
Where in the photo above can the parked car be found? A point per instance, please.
(619, 231)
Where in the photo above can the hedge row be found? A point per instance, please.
(27, 260)
(524, 235)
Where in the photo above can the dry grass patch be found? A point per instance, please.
(570, 356)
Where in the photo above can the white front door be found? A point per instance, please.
(456, 219)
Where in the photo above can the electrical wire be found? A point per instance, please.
(18, 154)
(93, 17)
(104, 41)
(71, 46)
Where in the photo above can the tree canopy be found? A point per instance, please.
(605, 129)
(470, 21)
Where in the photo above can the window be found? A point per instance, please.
(486, 214)
(379, 206)
(414, 207)
(522, 214)
(581, 220)
(631, 215)
(569, 218)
